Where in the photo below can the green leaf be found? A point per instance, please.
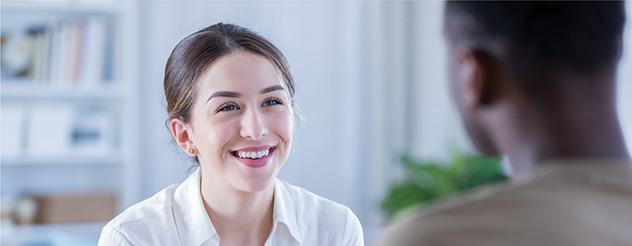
(429, 181)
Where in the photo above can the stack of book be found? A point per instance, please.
(66, 53)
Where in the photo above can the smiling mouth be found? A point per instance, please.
(253, 155)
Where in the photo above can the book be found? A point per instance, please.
(64, 53)
(95, 50)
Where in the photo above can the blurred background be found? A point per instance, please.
(83, 112)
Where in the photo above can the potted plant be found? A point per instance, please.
(429, 181)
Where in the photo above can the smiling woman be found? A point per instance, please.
(237, 112)
(230, 99)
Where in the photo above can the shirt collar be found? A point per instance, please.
(195, 227)
(285, 211)
(192, 222)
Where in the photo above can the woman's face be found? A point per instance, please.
(242, 121)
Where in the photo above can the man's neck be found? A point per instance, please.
(536, 137)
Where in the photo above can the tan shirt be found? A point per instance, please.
(587, 203)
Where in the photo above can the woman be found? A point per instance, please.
(230, 98)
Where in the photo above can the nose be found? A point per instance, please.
(252, 125)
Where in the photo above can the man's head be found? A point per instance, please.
(528, 53)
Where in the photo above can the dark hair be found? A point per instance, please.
(193, 55)
(535, 38)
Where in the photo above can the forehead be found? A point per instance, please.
(240, 70)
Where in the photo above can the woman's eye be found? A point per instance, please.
(272, 102)
(228, 107)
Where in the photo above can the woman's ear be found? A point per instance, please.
(181, 133)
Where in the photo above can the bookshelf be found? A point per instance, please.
(67, 161)
(69, 97)
(25, 90)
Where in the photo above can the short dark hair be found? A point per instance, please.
(541, 37)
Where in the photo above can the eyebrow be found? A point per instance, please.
(224, 94)
(271, 89)
(237, 94)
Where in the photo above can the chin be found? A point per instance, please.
(256, 184)
(480, 139)
(485, 148)
(257, 180)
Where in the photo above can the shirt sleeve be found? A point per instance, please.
(353, 230)
(111, 236)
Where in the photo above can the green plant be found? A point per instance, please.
(428, 181)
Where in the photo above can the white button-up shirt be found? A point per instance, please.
(176, 216)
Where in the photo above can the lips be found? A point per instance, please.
(254, 157)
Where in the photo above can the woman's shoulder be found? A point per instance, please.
(322, 212)
(147, 217)
(306, 200)
(149, 207)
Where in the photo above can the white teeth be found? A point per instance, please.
(253, 155)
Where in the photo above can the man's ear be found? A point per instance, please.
(478, 73)
(181, 133)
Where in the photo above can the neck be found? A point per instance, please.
(557, 143)
(563, 129)
(237, 215)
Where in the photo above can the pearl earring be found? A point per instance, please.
(190, 150)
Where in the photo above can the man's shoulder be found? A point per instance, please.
(543, 204)
(429, 225)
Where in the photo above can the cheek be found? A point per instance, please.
(479, 136)
(215, 136)
(450, 76)
(455, 87)
(283, 125)
(454, 78)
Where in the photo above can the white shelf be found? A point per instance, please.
(61, 7)
(61, 161)
(32, 90)
(52, 234)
